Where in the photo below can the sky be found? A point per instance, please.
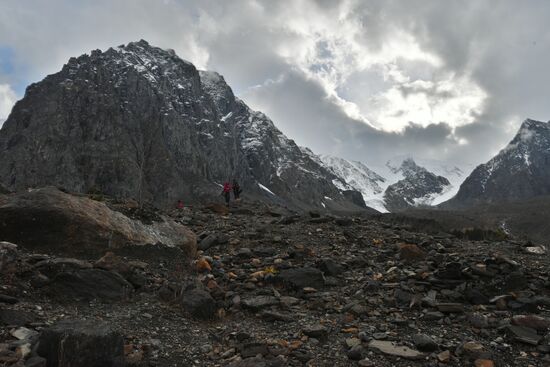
(362, 79)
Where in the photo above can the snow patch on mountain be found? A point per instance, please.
(357, 176)
(519, 171)
(419, 182)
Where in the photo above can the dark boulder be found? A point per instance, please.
(303, 277)
(51, 220)
(90, 343)
(214, 239)
(330, 267)
(198, 302)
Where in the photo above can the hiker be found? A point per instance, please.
(179, 205)
(226, 192)
(236, 190)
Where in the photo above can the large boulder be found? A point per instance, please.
(74, 279)
(89, 343)
(51, 220)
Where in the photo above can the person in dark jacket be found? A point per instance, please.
(226, 192)
(236, 190)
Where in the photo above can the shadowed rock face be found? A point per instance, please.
(48, 219)
(137, 121)
(418, 183)
(519, 171)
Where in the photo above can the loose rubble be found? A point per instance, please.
(276, 288)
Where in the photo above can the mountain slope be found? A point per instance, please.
(418, 187)
(138, 121)
(519, 171)
(358, 177)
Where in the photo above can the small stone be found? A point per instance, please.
(411, 252)
(484, 363)
(531, 321)
(472, 350)
(244, 253)
(536, 250)
(478, 321)
(199, 303)
(365, 363)
(23, 333)
(259, 302)
(450, 307)
(205, 348)
(276, 316)
(303, 277)
(316, 331)
(524, 334)
(433, 315)
(444, 356)
(352, 342)
(424, 343)
(390, 348)
(356, 352)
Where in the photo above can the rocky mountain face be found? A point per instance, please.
(137, 121)
(519, 171)
(399, 185)
(417, 187)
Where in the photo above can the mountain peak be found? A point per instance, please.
(519, 171)
(534, 124)
(138, 121)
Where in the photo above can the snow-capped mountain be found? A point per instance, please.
(401, 183)
(138, 121)
(519, 171)
(418, 187)
(357, 176)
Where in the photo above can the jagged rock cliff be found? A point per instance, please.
(416, 188)
(138, 121)
(519, 171)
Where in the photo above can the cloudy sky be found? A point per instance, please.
(363, 79)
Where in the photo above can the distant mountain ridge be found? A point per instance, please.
(138, 121)
(400, 184)
(418, 187)
(519, 171)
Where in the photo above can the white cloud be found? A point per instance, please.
(7, 100)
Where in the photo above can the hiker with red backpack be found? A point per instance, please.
(226, 192)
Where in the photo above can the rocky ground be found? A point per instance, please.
(274, 288)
